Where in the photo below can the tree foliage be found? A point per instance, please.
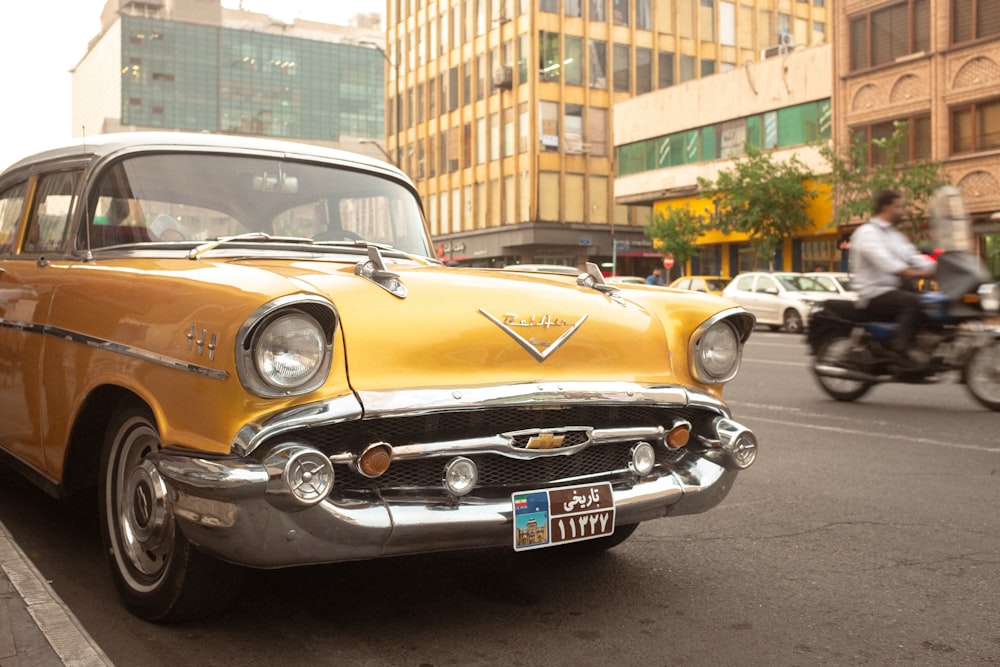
(764, 199)
(854, 185)
(676, 232)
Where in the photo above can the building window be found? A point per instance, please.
(549, 62)
(644, 14)
(687, 68)
(623, 68)
(598, 10)
(885, 34)
(643, 70)
(574, 61)
(916, 142)
(620, 11)
(665, 69)
(573, 8)
(974, 19)
(598, 63)
(548, 119)
(597, 131)
(550, 6)
(976, 127)
(706, 14)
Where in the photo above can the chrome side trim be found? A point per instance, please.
(117, 348)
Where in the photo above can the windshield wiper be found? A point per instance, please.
(198, 251)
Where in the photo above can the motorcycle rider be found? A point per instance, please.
(882, 262)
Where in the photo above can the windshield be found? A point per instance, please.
(194, 197)
(803, 283)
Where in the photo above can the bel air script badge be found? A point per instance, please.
(540, 349)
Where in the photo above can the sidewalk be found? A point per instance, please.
(36, 628)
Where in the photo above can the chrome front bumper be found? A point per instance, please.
(221, 507)
(229, 506)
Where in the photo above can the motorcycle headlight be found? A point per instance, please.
(716, 350)
(989, 297)
(285, 353)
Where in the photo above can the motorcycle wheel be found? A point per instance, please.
(833, 352)
(982, 375)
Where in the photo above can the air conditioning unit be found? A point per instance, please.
(786, 40)
(503, 77)
(771, 52)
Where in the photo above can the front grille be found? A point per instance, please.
(498, 472)
(503, 472)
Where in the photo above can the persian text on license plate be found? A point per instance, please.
(558, 516)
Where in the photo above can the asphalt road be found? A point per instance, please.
(866, 533)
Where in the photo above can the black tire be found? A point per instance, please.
(792, 321)
(602, 544)
(833, 352)
(981, 375)
(160, 576)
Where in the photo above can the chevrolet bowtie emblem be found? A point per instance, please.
(545, 441)
(539, 349)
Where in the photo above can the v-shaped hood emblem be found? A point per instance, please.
(540, 349)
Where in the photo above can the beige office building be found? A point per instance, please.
(502, 110)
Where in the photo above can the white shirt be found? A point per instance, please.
(879, 251)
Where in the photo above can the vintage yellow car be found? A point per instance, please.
(251, 351)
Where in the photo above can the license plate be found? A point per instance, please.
(558, 516)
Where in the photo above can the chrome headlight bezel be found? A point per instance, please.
(716, 347)
(264, 339)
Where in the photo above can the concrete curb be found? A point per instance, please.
(52, 619)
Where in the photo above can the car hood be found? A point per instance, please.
(467, 327)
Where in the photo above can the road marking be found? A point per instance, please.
(885, 436)
(776, 363)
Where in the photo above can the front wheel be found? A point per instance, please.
(982, 375)
(160, 576)
(834, 352)
(792, 321)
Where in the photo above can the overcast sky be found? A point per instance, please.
(41, 40)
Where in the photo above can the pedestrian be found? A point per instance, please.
(656, 278)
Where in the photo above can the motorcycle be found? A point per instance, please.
(958, 333)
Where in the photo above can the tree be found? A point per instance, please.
(676, 232)
(855, 185)
(763, 199)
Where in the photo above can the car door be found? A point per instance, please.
(767, 298)
(30, 268)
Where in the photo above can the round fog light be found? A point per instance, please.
(643, 459)
(460, 476)
(375, 460)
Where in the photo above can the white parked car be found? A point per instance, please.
(779, 300)
(836, 281)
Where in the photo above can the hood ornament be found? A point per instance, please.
(539, 349)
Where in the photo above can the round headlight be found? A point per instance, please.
(290, 351)
(717, 353)
(460, 476)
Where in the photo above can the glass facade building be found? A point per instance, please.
(193, 77)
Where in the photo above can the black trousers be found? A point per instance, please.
(902, 307)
